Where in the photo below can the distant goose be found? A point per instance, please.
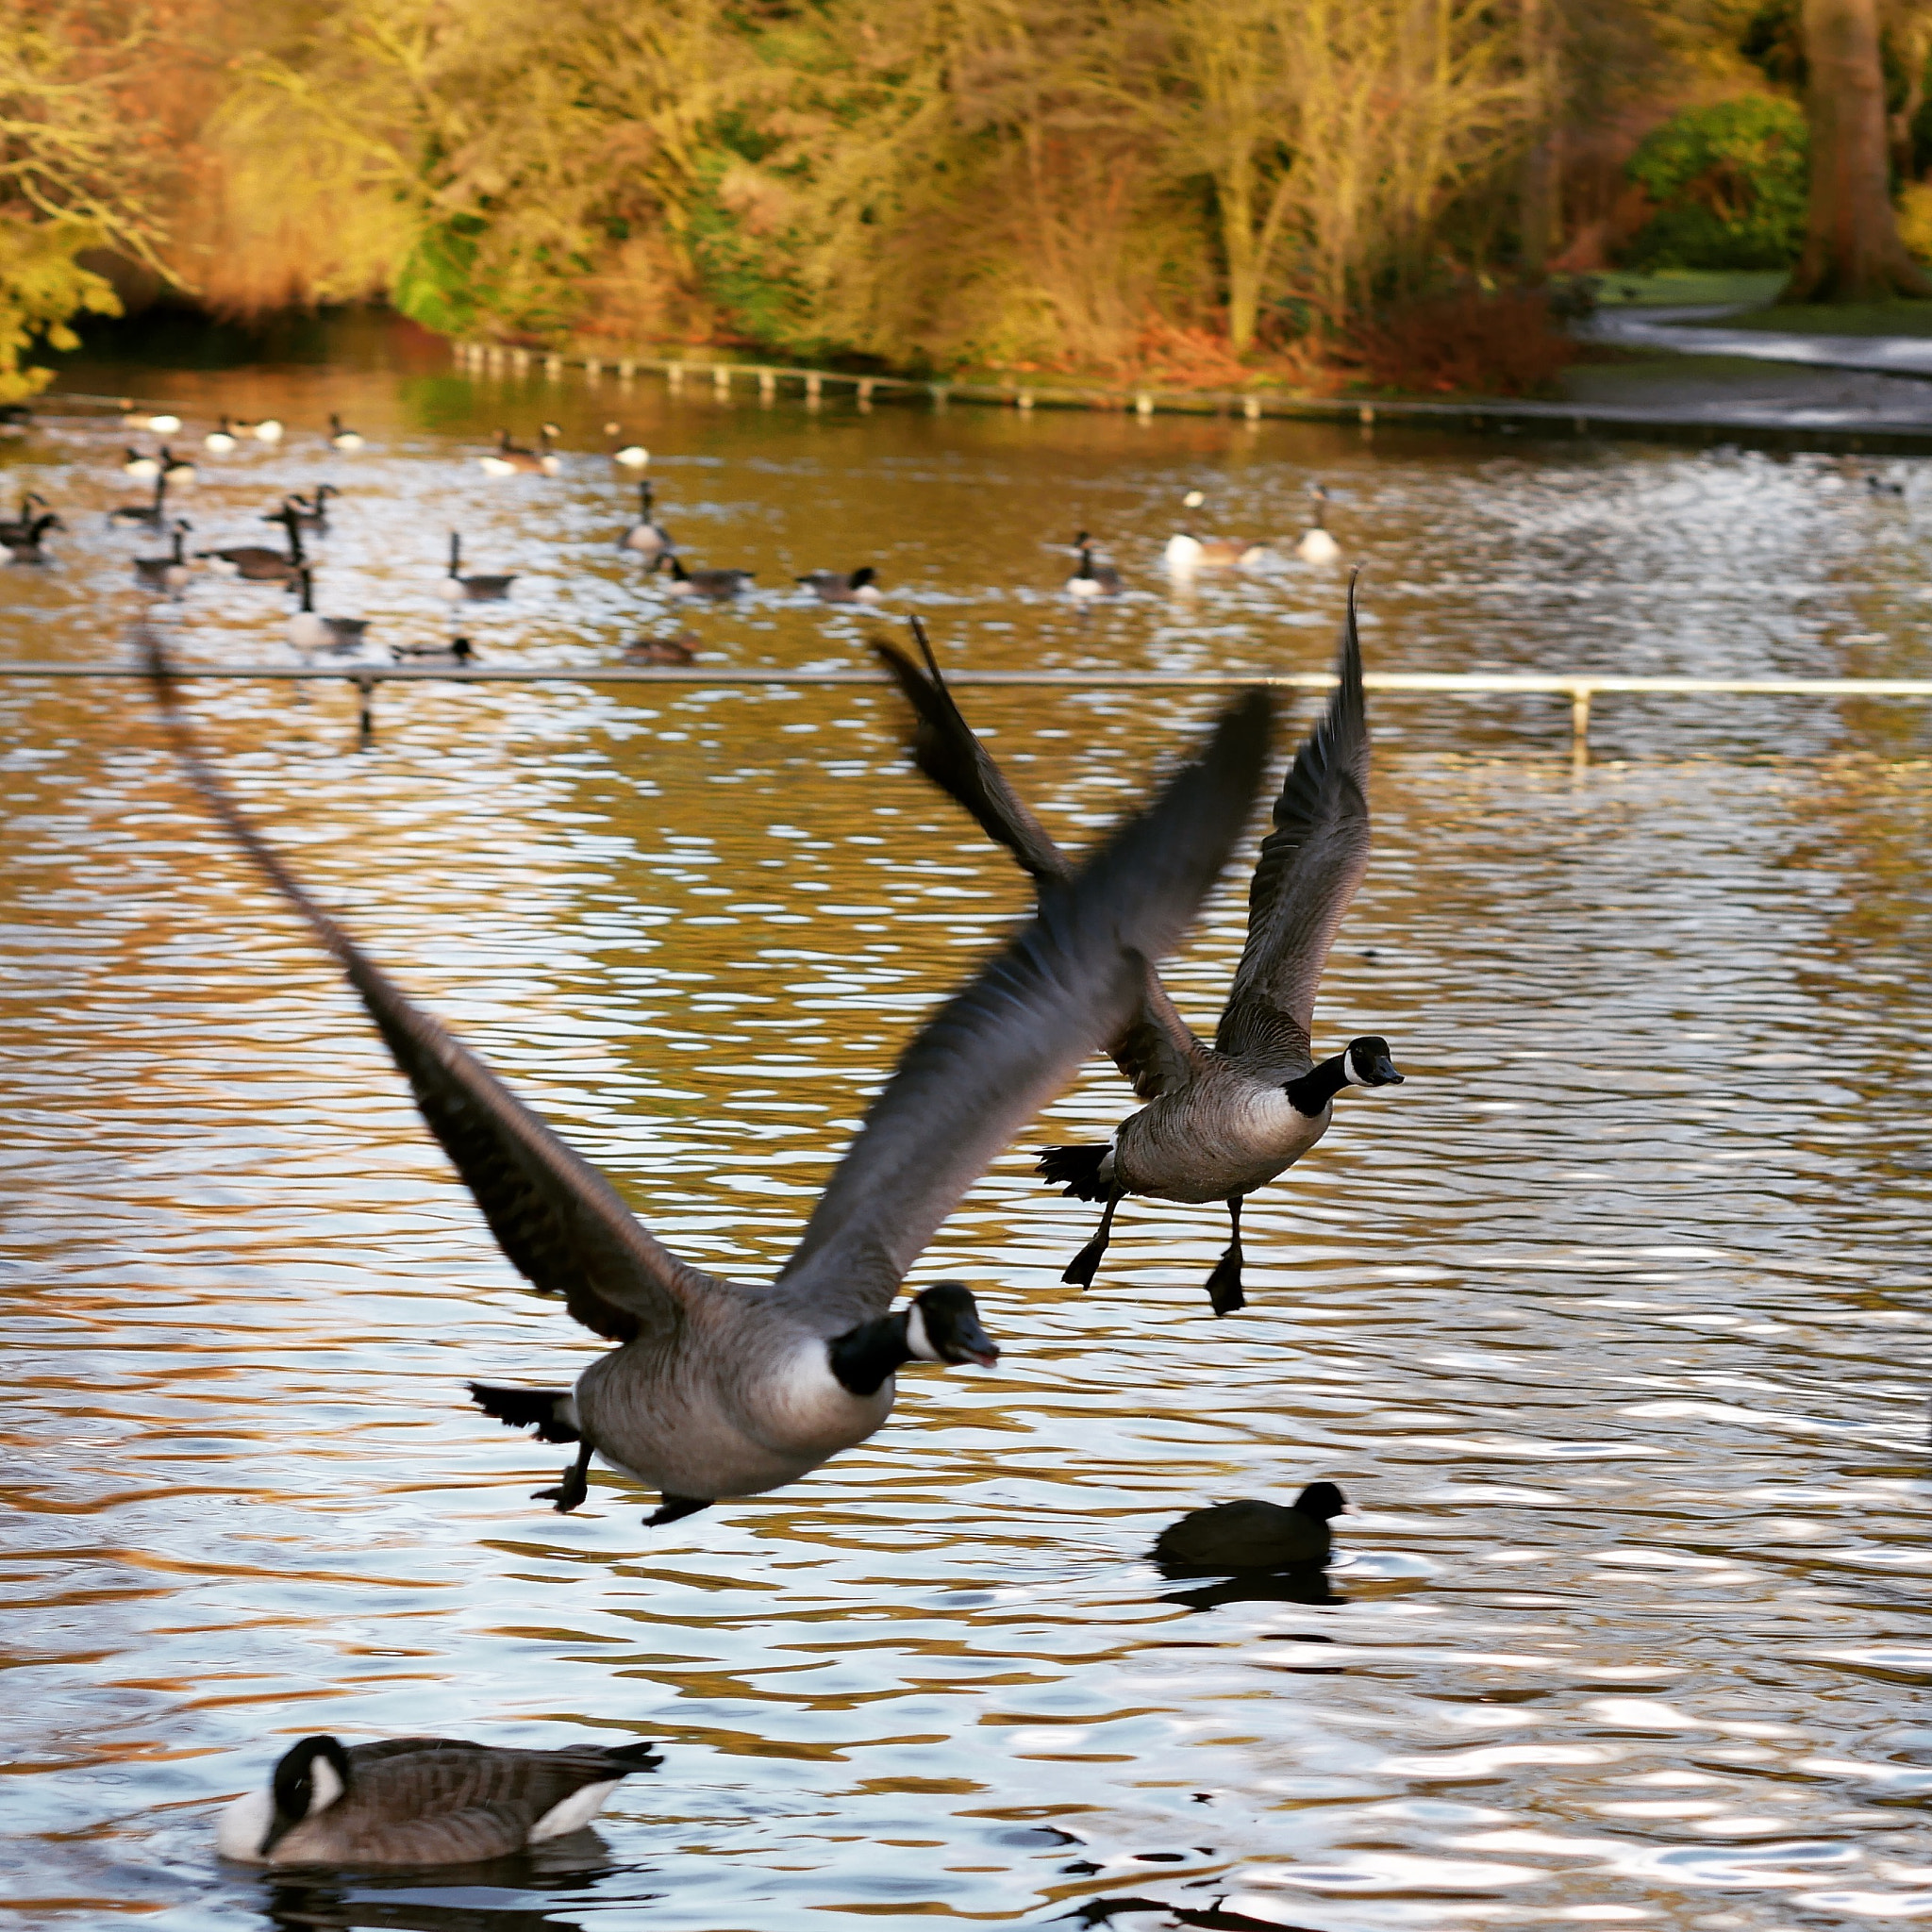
(679, 650)
(1090, 579)
(843, 585)
(1186, 553)
(457, 651)
(221, 439)
(1255, 1535)
(1221, 1121)
(176, 469)
(310, 511)
(30, 501)
(152, 514)
(341, 438)
(1317, 546)
(717, 585)
(507, 459)
(255, 563)
(647, 537)
(168, 574)
(457, 589)
(633, 456)
(139, 464)
(161, 425)
(27, 547)
(308, 633)
(267, 431)
(715, 1389)
(421, 1801)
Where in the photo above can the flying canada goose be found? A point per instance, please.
(647, 537)
(341, 438)
(255, 563)
(221, 439)
(310, 511)
(1317, 545)
(633, 456)
(168, 574)
(139, 464)
(161, 426)
(421, 1801)
(152, 514)
(30, 501)
(843, 585)
(676, 650)
(1255, 1535)
(455, 587)
(338, 636)
(26, 548)
(176, 469)
(457, 651)
(1090, 579)
(1221, 1121)
(717, 585)
(717, 1388)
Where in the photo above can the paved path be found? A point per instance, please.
(1670, 328)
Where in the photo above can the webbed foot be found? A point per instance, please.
(574, 1487)
(1224, 1284)
(671, 1507)
(1086, 1264)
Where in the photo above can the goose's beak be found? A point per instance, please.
(972, 1344)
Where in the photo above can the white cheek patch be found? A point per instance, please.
(243, 1826)
(327, 1786)
(1350, 1077)
(917, 1339)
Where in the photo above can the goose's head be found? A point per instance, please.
(940, 1325)
(1366, 1063)
(311, 1776)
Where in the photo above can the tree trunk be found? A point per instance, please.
(1852, 250)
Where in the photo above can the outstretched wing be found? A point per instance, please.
(556, 1218)
(1157, 1050)
(1307, 871)
(998, 1051)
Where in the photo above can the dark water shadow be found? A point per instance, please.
(1251, 1587)
(1099, 1912)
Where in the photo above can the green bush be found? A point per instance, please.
(1728, 181)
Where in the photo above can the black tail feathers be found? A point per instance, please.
(542, 1409)
(635, 1757)
(1076, 1171)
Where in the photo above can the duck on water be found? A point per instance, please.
(1221, 1121)
(716, 1388)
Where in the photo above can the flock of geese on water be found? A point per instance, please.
(713, 1389)
(314, 634)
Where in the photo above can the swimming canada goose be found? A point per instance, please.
(341, 438)
(1317, 545)
(255, 563)
(677, 650)
(457, 651)
(633, 456)
(167, 574)
(715, 584)
(717, 1388)
(26, 548)
(221, 439)
(1255, 1535)
(176, 469)
(1187, 553)
(139, 464)
(30, 501)
(421, 1801)
(161, 426)
(456, 588)
(310, 511)
(307, 632)
(843, 585)
(154, 512)
(509, 459)
(1221, 1121)
(1090, 579)
(647, 537)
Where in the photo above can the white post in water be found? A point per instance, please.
(814, 389)
(1580, 720)
(673, 375)
(721, 378)
(768, 385)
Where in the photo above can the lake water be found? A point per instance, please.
(1612, 1321)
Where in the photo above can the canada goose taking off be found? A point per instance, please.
(255, 563)
(715, 1389)
(167, 574)
(633, 456)
(152, 514)
(1090, 579)
(139, 464)
(843, 585)
(421, 1801)
(1221, 1121)
(647, 537)
(338, 636)
(341, 438)
(221, 439)
(715, 584)
(26, 548)
(679, 650)
(1317, 545)
(310, 511)
(457, 589)
(1255, 1535)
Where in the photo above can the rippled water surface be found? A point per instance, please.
(1611, 1320)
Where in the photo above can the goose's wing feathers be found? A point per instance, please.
(996, 1051)
(1157, 1050)
(1309, 866)
(559, 1222)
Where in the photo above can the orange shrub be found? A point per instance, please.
(1468, 342)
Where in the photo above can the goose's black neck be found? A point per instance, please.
(1312, 1093)
(862, 1358)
